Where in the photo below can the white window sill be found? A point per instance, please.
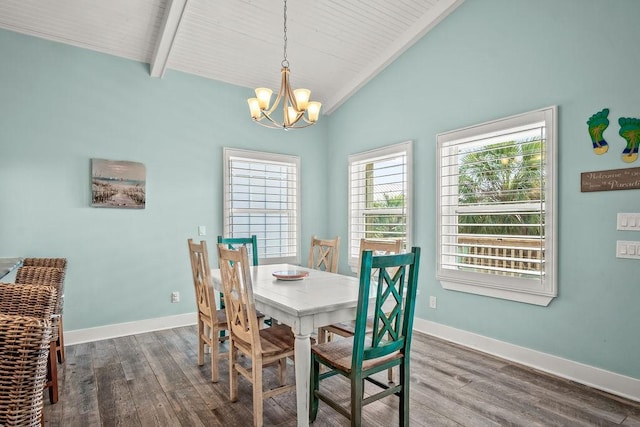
(527, 298)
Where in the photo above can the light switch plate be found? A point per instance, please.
(202, 230)
(629, 221)
(626, 249)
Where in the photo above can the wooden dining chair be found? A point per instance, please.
(211, 321)
(23, 366)
(60, 263)
(363, 355)
(263, 346)
(378, 247)
(49, 276)
(251, 243)
(324, 254)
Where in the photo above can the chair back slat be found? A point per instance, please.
(249, 242)
(394, 304)
(324, 254)
(201, 273)
(242, 317)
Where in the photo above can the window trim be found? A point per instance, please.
(405, 147)
(501, 286)
(262, 156)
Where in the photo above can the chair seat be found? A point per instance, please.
(347, 329)
(339, 354)
(274, 340)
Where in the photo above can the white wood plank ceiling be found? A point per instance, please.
(334, 46)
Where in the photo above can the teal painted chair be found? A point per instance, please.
(234, 242)
(359, 357)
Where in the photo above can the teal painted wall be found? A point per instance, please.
(60, 106)
(496, 58)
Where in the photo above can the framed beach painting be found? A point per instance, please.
(118, 184)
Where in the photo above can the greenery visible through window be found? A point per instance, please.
(379, 196)
(495, 222)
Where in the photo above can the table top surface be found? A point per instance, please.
(318, 292)
(8, 264)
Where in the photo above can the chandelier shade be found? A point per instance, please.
(297, 110)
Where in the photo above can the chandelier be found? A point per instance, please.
(295, 103)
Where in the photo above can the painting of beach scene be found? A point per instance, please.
(118, 184)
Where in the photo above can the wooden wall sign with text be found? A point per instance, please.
(614, 179)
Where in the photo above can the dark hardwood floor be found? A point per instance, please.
(153, 379)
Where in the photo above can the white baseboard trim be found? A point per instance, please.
(80, 336)
(591, 376)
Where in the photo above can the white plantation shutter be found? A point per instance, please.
(261, 197)
(379, 196)
(496, 189)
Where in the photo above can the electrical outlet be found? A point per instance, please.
(433, 302)
(175, 296)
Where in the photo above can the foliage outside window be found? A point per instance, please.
(379, 196)
(261, 197)
(496, 216)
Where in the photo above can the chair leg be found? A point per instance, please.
(60, 342)
(233, 374)
(52, 373)
(282, 371)
(313, 387)
(201, 332)
(258, 403)
(215, 354)
(403, 407)
(390, 375)
(357, 394)
(322, 335)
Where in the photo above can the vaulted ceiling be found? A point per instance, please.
(334, 46)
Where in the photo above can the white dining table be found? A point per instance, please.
(320, 299)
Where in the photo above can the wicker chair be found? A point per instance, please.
(52, 277)
(23, 369)
(52, 263)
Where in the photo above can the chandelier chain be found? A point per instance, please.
(285, 61)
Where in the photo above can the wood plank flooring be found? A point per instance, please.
(152, 379)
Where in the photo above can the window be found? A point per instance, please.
(261, 197)
(380, 197)
(496, 208)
